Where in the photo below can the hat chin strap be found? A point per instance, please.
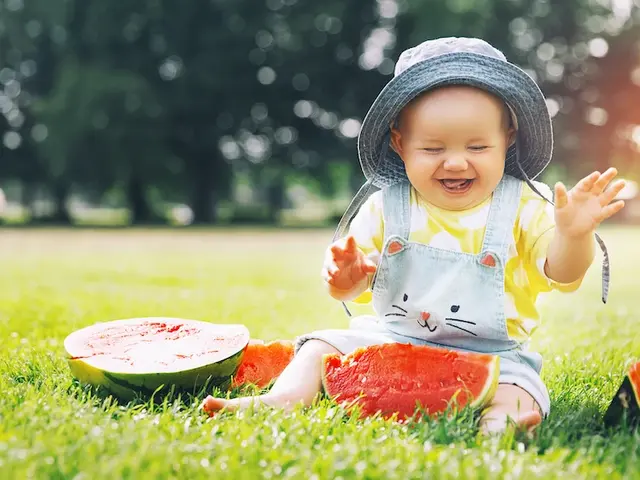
(606, 273)
(352, 210)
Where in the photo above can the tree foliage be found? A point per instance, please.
(175, 100)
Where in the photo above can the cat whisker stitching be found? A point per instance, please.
(426, 325)
(399, 308)
(395, 315)
(459, 320)
(463, 329)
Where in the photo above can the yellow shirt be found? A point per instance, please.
(463, 231)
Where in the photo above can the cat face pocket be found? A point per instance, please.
(427, 319)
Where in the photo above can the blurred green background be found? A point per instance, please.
(247, 111)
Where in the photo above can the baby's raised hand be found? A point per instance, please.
(345, 266)
(579, 211)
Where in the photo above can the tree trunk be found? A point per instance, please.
(60, 194)
(60, 214)
(141, 212)
(203, 199)
(275, 198)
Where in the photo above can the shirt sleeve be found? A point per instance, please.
(537, 228)
(367, 228)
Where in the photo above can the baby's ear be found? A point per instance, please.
(511, 136)
(396, 137)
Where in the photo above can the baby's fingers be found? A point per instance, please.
(329, 269)
(607, 197)
(587, 183)
(330, 278)
(337, 251)
(561, 197)
(344, 249)
(368, 266)
(604, 180)
(350, 245)
(611, 210)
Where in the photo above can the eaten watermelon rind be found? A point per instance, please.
(214, 370)
(634, 378)
(263, 362)
(625, 405)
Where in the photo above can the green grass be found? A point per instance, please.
(56, 281)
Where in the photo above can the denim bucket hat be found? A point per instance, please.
(457, 61)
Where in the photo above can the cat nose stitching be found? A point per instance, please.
(425, 316)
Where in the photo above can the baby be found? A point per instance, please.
(458, 243)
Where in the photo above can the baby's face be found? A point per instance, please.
(453, 141)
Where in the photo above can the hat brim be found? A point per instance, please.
(383, 167)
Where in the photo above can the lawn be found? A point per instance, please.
(56, 281)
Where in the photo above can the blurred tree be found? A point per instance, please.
(177, 98)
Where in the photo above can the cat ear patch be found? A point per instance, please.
(395, 245)
(488, 260)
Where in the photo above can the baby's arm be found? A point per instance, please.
(577, 215)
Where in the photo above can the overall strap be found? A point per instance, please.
(606, 270)
(357, 202)
(502, 216)
(396, 210)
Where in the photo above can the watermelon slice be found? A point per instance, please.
(262, 363)
(137, 356)
(626, 402)
(395, 378)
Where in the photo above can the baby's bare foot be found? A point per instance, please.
(498, 422)
(211, 405)
(288, 402)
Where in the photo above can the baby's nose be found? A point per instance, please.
(455, 163)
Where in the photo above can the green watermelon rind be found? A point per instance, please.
(480, 401)
(491, 386)
(128, 386)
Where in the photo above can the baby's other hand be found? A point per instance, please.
(580, 210)
(346, 266)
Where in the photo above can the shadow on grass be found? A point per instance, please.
(574, 421)
(159, 401)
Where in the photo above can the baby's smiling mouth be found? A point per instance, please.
(456, 185)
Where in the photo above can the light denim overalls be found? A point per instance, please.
(430, 296)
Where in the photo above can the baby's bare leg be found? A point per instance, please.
(300, 382)
(510, 401)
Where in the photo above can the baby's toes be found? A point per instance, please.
(498, 422)
(529, 420)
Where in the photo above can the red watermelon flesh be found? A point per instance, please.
(395, 378)
(634, 378)
(262, 363)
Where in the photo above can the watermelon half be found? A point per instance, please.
(138, 356)
(263, 362)
(396, 378)
(626, 402)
